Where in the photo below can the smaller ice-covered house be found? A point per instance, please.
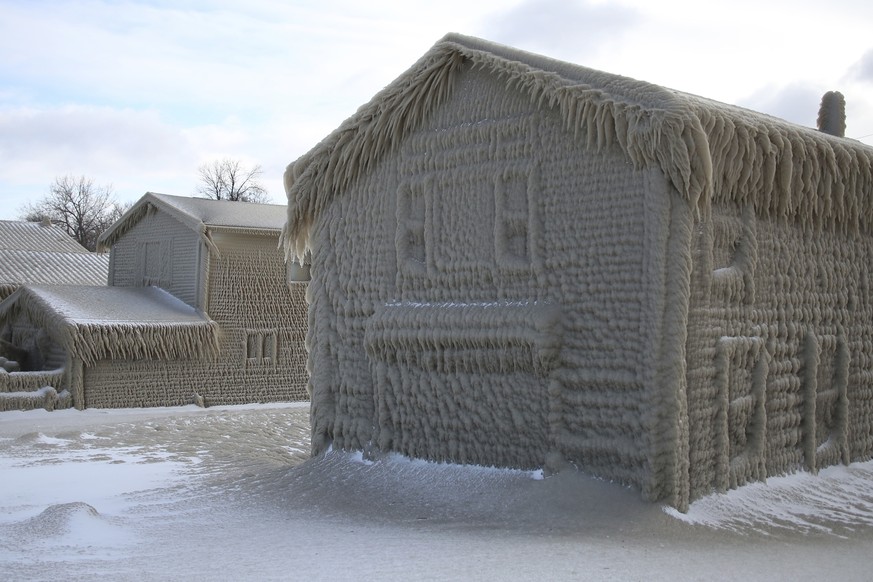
(41, 253)
(197, 310)
(522, 262)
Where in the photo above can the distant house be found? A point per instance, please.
(35, 253)
(197, 309)
(521, 262)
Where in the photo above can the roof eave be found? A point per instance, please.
(130, 218)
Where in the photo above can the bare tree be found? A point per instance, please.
(82, 208)
(228, 179)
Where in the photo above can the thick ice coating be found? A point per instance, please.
(522, 262)
(197, 310)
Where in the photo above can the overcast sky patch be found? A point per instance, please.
(797, 102)
(74, 132)
(139, 93)
(574, 28)
(863, 70)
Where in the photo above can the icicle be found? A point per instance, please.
(705, 149)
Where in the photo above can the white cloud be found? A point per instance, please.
(71, 135)
(863, 69)
(137, 151)
(134, 150)
(562, 28)
(143, 91)
(139, 54)
(796, 102)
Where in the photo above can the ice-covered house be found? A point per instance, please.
(522, 262)
(197, 309)
(38, 253)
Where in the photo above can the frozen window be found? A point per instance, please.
(151, 263)
(412, 203)
(734, 256)
(156, 263)
(514, 190)
(262, 347)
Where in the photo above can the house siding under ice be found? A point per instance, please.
(521, 262)
(198, 309)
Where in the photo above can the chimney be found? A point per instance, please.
(832, 114)
(46, 221)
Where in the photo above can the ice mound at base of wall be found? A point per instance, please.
(397, 489)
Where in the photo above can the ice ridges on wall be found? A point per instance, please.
(730, 198)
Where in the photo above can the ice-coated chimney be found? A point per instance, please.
(832, 114)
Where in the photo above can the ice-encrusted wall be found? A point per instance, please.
(32, 369)
(491, 293)
(30, 390)
(43, 352)
(779, 350)
(261, 353)
(524, 262)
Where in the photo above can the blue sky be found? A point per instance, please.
(138, 94)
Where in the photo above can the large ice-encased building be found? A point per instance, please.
(521, 262)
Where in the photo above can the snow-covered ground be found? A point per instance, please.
(228, 494)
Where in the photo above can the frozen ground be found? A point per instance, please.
(227, 494)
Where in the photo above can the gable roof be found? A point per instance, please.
(19, 267)
(709, 151)
(93, 323)
(19, 235)
(201, 215)
(32, 253)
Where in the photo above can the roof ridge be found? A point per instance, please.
(180, 207)
(695, 142)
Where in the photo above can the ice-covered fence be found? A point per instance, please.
(29, 390)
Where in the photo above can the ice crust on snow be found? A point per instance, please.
(157, 494)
